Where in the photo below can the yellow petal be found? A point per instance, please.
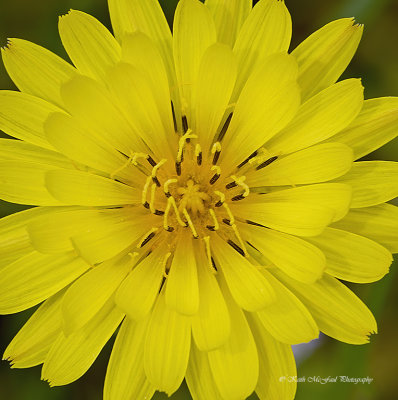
(229, 17)
(18, 150)
(125, 376)
(182, 290)
(108, 236)
(276, 360)
(296, 218)
(130, 16)
(141, 52)
(90, 46)
(14, 239)
(77, 144)
(35, 277)
(267, 30)
(36, 70)
(85, 297)
(137, 293)
(335, 196)
(376, 125)
(83, 188)
(22, 116)
(53, 234)
(292, 255)
(324, 55)
(212, 92)
(372, 182)
(140, 108)
(266, 105)
(320, 117)
(97, 111)
(199, 377)
(338, 312)
(211, 325)
(248, 287)
(24, 183)
(235, 364)
(319, 163)
(287, 319)
(193, 33)
(167, 347)
(379, 223)
(70, 357)
(351, 257)
(32, 343)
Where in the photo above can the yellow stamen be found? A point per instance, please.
(213, 215)
(230, 215)
(238, 236)
(166, 225)
(152, 201)
(145, 190)
(179, 220)
(182, 142)
(157, 166)
(190, 223)
(241, 182)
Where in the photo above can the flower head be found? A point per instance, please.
(198, 189)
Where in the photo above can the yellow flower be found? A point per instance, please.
(198, 189)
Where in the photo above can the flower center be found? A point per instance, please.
(194, 197)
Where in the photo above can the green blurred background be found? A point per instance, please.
(377, 63)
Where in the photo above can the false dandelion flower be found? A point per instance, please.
(199, 190)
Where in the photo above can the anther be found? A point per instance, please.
(208, 254)
(198, 154)
(156, 181)
(267, 162)
(217, 175)
(184, 123)
(148, 236)
(236, 247)
(166, 186)
(159, 212)
(239, 197)
(164, 264)
(248, 159)
(174, 117)
(222, 198)
(225, 127)
(151, 161)
(254, 223)
(216, 150)
(226, 221)
(231, 185)
(178, 168)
